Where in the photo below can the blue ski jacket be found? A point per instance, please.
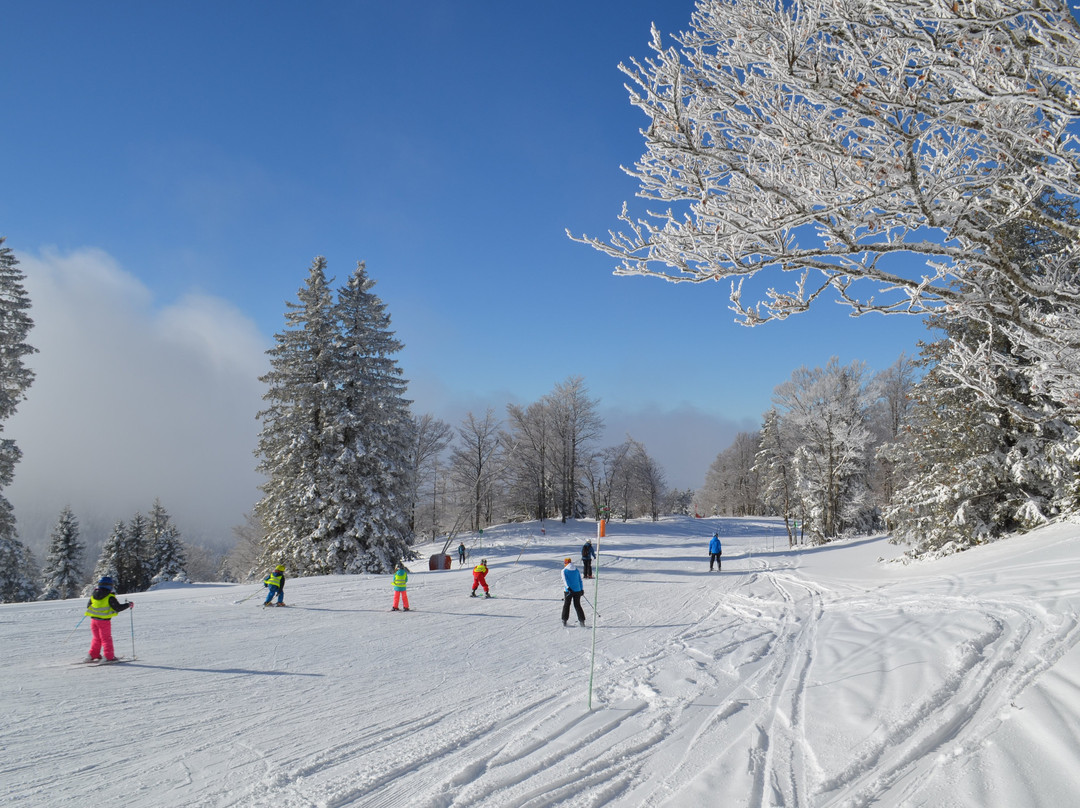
(714, 546)
(572, 579)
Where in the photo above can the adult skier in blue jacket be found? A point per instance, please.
(573, 589)
(715, 551)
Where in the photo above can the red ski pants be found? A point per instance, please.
(479, 579)
(399, 595)
(101, 631)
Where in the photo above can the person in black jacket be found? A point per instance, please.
(101, 609)
(587, 555)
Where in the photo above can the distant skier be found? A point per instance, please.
(479, 578)
(587, 555)
(573, 589)
(461, 554)
(101, 609)
(401, 578)
(715, 551)
(275, 582)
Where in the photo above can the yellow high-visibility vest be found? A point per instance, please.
(101, 609)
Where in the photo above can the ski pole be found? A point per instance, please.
(132, 613)
(590, 604)
(249, 597)
(68, 637)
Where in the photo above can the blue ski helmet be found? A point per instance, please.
(105, 582)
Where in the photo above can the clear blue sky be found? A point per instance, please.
(213, 149)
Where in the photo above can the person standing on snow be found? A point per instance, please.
(573, 589)
(479, 578)
(101, 609)
(587, 555)
(461, 554)
(715, 551)
(276, 583)
(401, 578)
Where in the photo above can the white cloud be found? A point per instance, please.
(133, 402)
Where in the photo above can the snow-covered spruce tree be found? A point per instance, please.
(336, 435)
(18, 573)
(974, 472)
(15, 379)
(107, 563)
(375, 466)
(167, 555)
(835, 140)
(62, 576)
(296, 441)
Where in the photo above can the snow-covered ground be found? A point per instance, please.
(818, 677)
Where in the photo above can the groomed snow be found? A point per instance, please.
(816, 677)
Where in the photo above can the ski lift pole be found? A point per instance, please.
(596, 614)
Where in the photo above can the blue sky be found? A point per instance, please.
(197, 156)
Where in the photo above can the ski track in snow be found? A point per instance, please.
(767, 684)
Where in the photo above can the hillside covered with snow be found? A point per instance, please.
(814, 677)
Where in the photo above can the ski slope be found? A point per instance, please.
(815, 677)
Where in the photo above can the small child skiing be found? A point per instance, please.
(276, 583)
(479, 578)
(401, 578)
(101, 609)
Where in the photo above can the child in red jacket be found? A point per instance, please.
(479, 578)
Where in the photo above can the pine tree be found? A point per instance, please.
(126, 556)
(336, 436)
(62, 576)
(15, 379)
(18, 572)
(375, 470)
(167, 555)
(296, 440)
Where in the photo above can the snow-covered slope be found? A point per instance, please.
(818, 677)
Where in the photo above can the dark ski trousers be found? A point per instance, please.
(575, 598)
(714, 557)
(587, 564)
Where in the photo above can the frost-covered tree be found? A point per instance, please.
(476, 466)
(609, 482)
(973, 472)
(431, 438)
(732, 484)
(167, 561)
(18, 573)
(15, 380)
(575, 426)
(648, 479)
(336, 435)
(831, 142)
(528, 451)
(62, 576)
(827, 411)
(374, 469)
(296, 443)
(775, 469)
